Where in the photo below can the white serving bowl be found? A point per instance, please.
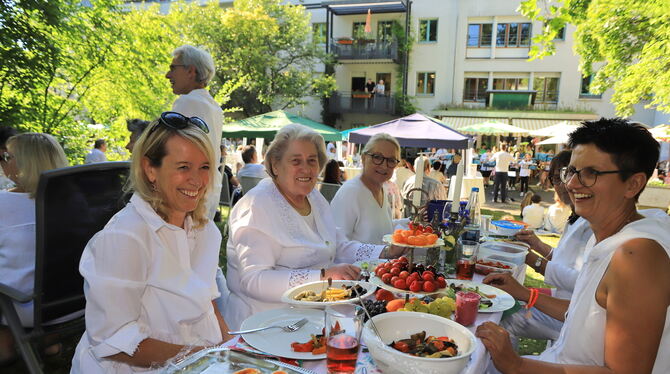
(317, 287)
(400, 325)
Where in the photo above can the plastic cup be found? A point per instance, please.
(344, 324)
(467, 307)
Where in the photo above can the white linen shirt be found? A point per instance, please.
(17, 247)
(503, 160)
(271, 248)
(358, 214)
(199, 103)
(568, 258)
(533, 215)
(95, 155)
(145, 278)
(253, 170)
(556, 218)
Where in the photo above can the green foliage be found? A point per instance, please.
(625, 42)
(404, 104)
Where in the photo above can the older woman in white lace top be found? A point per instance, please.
(282, 232)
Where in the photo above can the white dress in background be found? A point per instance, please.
(582, 339)
(533, 215)
(272, 248)
(17, 247)
(358, 214)
(556, 218)
(145, 278)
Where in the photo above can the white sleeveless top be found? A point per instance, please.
(584, 343)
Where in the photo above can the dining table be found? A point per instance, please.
(479, 360)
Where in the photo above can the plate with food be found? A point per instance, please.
(399, 276)
(492, 299)
(418, 236)
(280, 343)
(320, 294)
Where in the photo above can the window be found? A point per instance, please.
(547, 89)
(358, 30)
(428, 30)
(479, 34)
(384, 31)
(585, 90)
(560, 35)
(425, 84)
(319, 33)
(513, 35)
(475, 89)
(510, 84)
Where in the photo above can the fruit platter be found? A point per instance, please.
(402, 276)
(418, 236)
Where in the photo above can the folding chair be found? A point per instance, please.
(72, 204)
(328, 190)
(248, 182)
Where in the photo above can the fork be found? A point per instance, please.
(288, 328)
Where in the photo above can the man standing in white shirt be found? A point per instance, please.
(190, 71)
(502, 160)
(251, 166)
(97, 154)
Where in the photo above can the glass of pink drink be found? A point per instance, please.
(344, 324)
(467, 306)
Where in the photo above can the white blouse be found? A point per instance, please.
(145, 278)
(272, 248)
(358, 214)
(17, 247)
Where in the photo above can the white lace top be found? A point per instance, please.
(272, 248)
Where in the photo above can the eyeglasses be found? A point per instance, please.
(174, 66)
(378, 159)
(587, 176)
(6, 156)
(179, 121)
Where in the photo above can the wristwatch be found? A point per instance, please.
(538, 262)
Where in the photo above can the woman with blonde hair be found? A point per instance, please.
(149, 275)
(25, 158)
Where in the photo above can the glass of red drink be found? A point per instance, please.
(467, 307)
(467, 256)
(344, 324)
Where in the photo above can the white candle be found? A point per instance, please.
(456, 196)
(418, 181)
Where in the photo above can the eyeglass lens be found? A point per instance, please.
(378, 159)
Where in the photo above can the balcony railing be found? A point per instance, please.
(365, 50)
(361, 102)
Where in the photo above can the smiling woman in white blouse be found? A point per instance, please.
(282, 231)
(362, 207)
(150, 273)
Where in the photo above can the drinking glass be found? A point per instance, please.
(344, 324)
(467, 306)
(467, 255)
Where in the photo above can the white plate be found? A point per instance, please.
(501, 302)
(388, 239)
(376, 281)
(317, 287)
(277, 341)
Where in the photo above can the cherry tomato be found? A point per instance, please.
(400, 283)
(428, 229)
(403, 274)
(429, 287)
(386, 278)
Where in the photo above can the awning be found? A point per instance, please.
(348, 7)
(538, 124)
(266, 126)
(459, 122)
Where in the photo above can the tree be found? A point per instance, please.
(624, 43)
(263, 52)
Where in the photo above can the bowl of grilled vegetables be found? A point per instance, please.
(321, 294)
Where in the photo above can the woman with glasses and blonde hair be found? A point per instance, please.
(362, 206)
(282, 232)
(26, 156)
(621, 297)
(149, 275)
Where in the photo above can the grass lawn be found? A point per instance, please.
(60, 364)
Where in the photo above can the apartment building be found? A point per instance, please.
(466, 55)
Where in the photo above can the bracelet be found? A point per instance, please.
(548, 256)
(534, 293)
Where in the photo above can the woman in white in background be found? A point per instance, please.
(361, 207)
(282, 231)
(557, 215)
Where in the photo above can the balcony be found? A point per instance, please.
(361, 102)
(345, 49)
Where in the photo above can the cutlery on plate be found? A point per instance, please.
(288, 328)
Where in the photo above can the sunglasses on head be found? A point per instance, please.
(179, 121)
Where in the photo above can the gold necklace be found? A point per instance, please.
(302, 211)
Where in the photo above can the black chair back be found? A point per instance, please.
(72, 204)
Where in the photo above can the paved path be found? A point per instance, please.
(512, 207)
